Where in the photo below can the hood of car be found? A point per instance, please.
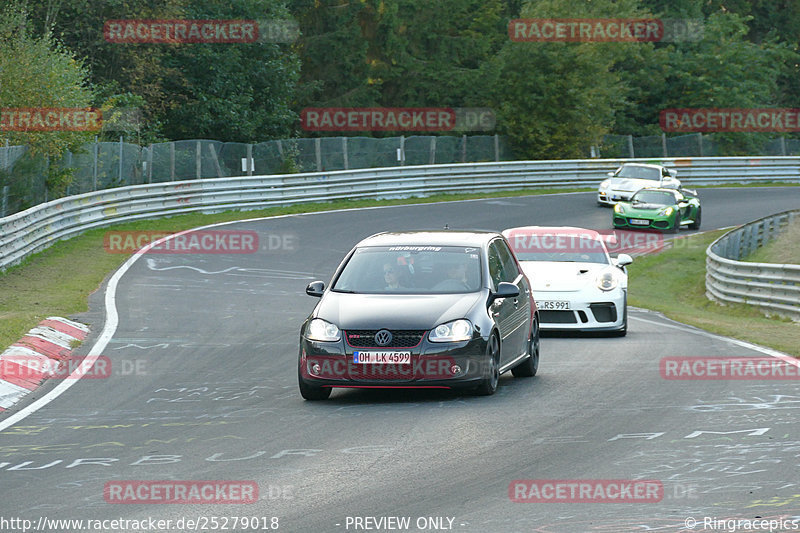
(561, 276)
(630, 184)
(395, 311)
(643, 208)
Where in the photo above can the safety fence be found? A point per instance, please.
(104, 165)
(774, 288)
(36, 228)
(26, 180)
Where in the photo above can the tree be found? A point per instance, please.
(555, 99)
(38, 72)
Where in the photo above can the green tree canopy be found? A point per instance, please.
(38, 72)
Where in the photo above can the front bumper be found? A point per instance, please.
(611, 197)
(660, 223)
(598, 311)
(433, 365)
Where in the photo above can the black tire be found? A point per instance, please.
(677, 227)
(310, 392)
(491, 370)
(530, 365)
(696, 223)
(624, 331)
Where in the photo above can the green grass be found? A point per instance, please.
(673, 282)
(784, 249)
(58, 280)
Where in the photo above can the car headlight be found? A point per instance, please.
(320, 330)
(618, 208)
(667, 211)
(604, 184)
(606, 281)
(455, 331)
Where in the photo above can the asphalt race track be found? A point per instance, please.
(204, 387)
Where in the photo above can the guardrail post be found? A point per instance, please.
(150, 164)
(120, 161)
(69, 165)
(664, 144)
(318, 152)
(250, 162)
(94, 166)
(172, 161)
(215, 160)
(783, 145)
(5, 157)
(4, 202)
(344, 153)
(496, 148)
(630, 147)
(463, 148)
(198, 161)
(700, 142)
(432, 158)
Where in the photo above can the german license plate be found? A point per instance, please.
(640, 222)
(383, 357)
(553, 305)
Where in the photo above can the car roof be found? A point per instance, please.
(647, 165)
(566, 230)
(558, 230)
(430, 237)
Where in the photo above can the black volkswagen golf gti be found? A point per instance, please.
(420, 309)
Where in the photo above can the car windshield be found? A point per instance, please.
(653, 197)
(411, 270)
(558, 247)
(642, 173)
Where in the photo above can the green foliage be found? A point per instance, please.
(555, 99)
(38, 72)
(58, 180)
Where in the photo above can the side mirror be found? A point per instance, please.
(315, 288)
(624, 260)
(505, 290)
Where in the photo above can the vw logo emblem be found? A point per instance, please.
(383, 337)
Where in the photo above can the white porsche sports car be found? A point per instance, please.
(631, 177)
(577, 285)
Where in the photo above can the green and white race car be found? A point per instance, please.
(659, 209)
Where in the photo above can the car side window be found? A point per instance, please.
(495, 265)
(510, 270)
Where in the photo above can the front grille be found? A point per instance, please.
(604, 312)
(661, 224)
(365, 338)
(557, 317)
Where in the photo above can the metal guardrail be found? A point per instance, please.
(773, 287)
(34, 229)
